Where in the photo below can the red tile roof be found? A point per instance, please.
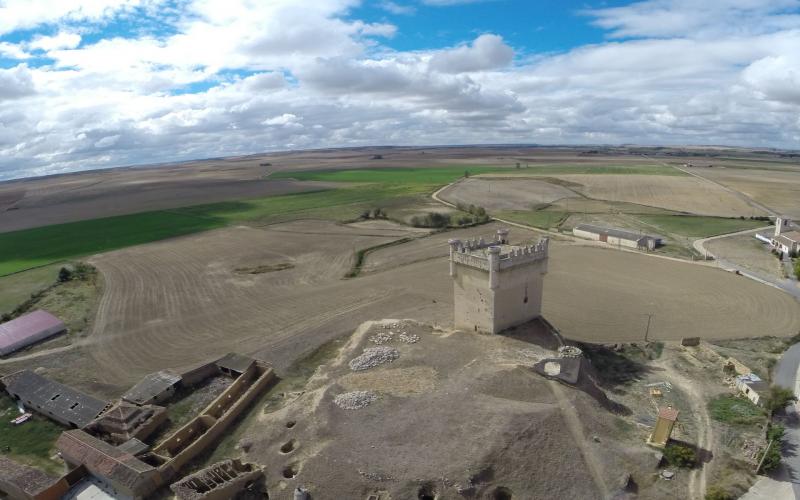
(668, 413)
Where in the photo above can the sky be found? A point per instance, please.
(102, 83)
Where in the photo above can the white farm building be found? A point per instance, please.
(617, 237)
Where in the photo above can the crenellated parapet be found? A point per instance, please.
(495, 255)
(525, 254)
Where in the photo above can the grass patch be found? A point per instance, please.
(19, 287)
(735, 410)
(699, 226)
(544, 219)
(30, 443)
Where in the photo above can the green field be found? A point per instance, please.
(20, 250)
(30, 248)
(698, 226)
(433, 176)
(32, 442)
(439, 176)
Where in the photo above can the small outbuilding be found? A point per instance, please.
(153, 388)
(662, 431)
(28, 329)
(753, 388)
(617, 237)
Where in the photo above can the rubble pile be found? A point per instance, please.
(354, 400)
(372, 357)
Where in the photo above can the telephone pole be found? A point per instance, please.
(647, 331)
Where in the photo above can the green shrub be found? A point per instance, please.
(773, 458)
(779, 398)
(678, 455)
(718, 493)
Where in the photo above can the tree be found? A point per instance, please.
(778, 398)
(376, 213)
(365, 214)
(466, 173)
(679, 455)
(65, 274)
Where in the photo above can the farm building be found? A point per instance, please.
(785, 239)
(753, 387)
(663, 428)
(53, 400)
(617, 237)
(122, 473)
(153, 388)
(28, 329)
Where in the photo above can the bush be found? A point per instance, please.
(432, 219)
(778, 398)
(718, 493)
(773, 458)
(678, 455)
(65, 274)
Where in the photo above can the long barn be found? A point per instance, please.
(28, 329)
(617, 237)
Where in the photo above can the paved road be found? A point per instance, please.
(786, 483)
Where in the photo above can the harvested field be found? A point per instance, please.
(504, 194)
(685, 194)
(778, 190)
(179, 302)
(746, 251)
(599, 295)
(602, 295)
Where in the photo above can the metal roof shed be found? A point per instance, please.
(28, 329)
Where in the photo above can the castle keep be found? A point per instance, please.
(496, 285)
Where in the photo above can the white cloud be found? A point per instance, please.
(13, 51)
(15, 82)
(669, 18)
(284, 74)
(396, 8)
(24, 14)
(485, 52)
(62, 40)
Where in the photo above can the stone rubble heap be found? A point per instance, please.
(354, 400)
(372, 357)
(408, 339)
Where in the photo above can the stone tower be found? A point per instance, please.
(782, 224)
(496, 285)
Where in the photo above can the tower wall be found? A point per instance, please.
(474, 300)
(518, 298)
(494, 291)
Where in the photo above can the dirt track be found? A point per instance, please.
(178, 302)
